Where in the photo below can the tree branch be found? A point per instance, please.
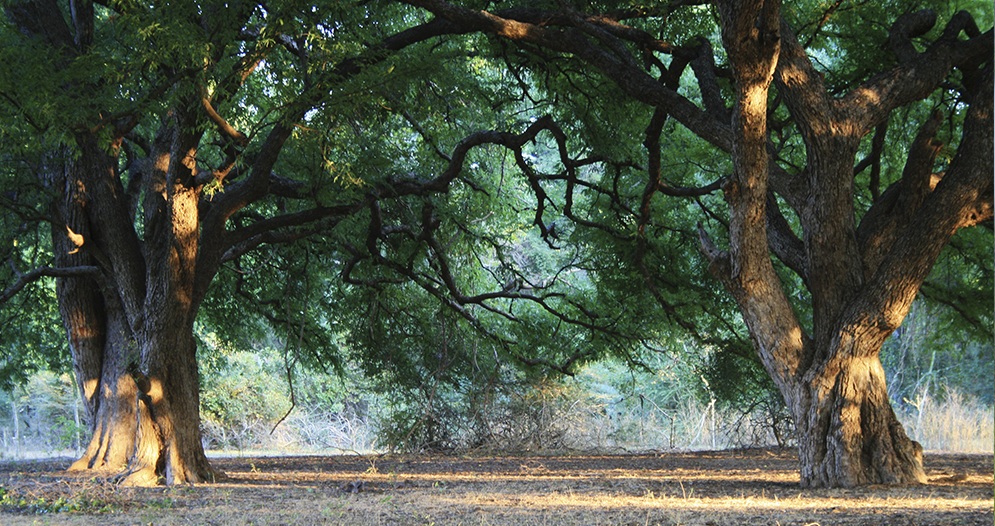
(42, 19)
(279, 229)
(783, 241)
(25, 278)
(879, 227)
(963, 198)
(257, 184)
(633, 80)
(917, 75)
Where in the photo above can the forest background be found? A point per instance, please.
(252, 405)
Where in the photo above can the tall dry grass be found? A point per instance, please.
(574, 420)
(952, 422)
(566, 418)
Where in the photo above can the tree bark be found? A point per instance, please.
(168, 446)
(850, 435)
(169, 404)
(97, 331)
(114, 423)
(80, 302)
(145, 399)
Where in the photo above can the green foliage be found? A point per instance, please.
(14, 502)
(242, 398)
(32, 339)
(50, 416)
(445, 302)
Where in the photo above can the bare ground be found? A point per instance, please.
(706, 488)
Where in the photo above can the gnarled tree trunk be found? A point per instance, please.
(849, 435)
(168, 439)
(862, 277)
(131, 328)
(100, 339)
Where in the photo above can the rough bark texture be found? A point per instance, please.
(99, 338)
(80, 302)
(113, 424)
(851, 436)
(168, 443)
(833, 380)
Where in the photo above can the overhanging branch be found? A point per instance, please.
(26, 278)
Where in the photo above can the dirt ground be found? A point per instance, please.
(706, 488)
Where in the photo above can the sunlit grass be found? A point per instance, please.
(955, 423)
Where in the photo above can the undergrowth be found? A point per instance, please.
(97, 497)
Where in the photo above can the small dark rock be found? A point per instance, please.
(353, 487)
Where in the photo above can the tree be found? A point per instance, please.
(861, 265)
(139, 225)
(166, 144)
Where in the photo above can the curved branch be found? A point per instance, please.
(223, 125)
(906, 27)
(802, 88)
(703, 66)
(279, 229)
(917, 75)
(631, 78)
(25, 278)
(783, 241)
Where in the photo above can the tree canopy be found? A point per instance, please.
(442, 183)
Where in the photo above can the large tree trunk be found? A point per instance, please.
(131, 330)
(147, 427)
(99, 337)
(169, 447)
(168, 439)
(848, 433)
(81, 304)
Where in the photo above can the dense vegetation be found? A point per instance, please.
(453, 206)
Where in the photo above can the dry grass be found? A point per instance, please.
(734, 487)
(953, 423)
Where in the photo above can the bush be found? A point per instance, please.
(242, 400)
(49, 416)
